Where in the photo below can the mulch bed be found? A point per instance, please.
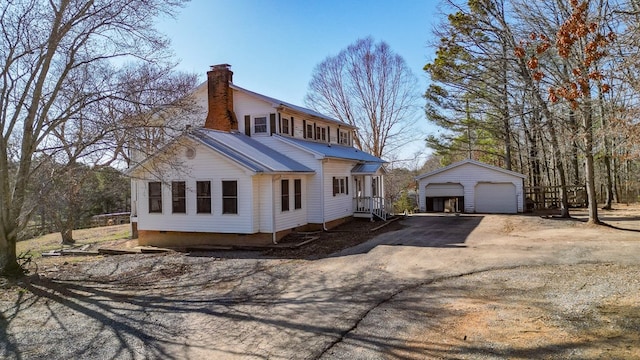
(342, 237)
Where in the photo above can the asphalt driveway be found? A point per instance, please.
(377, 300)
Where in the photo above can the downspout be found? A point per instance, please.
(324, 225)
(274, 238)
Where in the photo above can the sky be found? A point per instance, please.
(274, 46)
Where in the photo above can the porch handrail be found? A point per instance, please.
(373, 205)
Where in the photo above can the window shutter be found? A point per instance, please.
(247, 125)
(315, 132)
(328, 134)
(304, 129)
(279, 124)
(272, 123)
(346, 184)
(292, 128)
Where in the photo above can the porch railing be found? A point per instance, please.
(373, 205)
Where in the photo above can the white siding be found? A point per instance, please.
(261, 210)
(319, 186)
(469, 175)
(293, 217)
(340, 205)
(297, 123)
(244, 104)
(312, 190)
(207, 165)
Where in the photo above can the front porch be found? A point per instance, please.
(370, 206)
(369, 201)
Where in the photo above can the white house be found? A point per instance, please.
(472, 187)
(254, 170)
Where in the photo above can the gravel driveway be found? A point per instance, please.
(443, 286)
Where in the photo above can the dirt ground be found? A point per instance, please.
(342, 237)
(587, 311)
(467, 287)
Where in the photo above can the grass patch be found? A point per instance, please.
(53, 241)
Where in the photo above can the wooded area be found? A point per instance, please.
(548, 88)
(83, 84)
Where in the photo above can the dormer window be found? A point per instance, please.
(309, 131)
(260, 125)
(343, 137)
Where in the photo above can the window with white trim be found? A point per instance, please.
(155, 197)
(343, 137)
(229, 197)
(260, 125)
(340, 185)
(309, 131)
(178, 197)
(284, 195)
(297, 194)
(203, 197)
(285, 126)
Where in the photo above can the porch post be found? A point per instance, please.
(367, 186)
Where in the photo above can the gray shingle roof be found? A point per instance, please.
(332, 150)
(247, 151)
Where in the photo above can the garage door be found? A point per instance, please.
(444, 190)
(496, 198)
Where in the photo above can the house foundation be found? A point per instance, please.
(182, 239)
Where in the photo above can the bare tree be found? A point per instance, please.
(370, 87)
(74, 78)
(581, 41)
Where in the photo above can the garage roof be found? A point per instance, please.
(469, 161)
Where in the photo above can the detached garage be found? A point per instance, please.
(472, 187)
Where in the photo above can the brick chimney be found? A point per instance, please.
(220, 98)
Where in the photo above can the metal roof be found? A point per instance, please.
(297, 108)
(366, 168)
(470, 161)
(247, 151)
(332, 150)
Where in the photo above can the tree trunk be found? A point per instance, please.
(8, 258)
(506, 123)
(589, 164)
(66, 225)
(607, 151)
(616, 181)
(564, 199)
(591, 188)
(609, 186)
(67, 237)
(573, 124)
